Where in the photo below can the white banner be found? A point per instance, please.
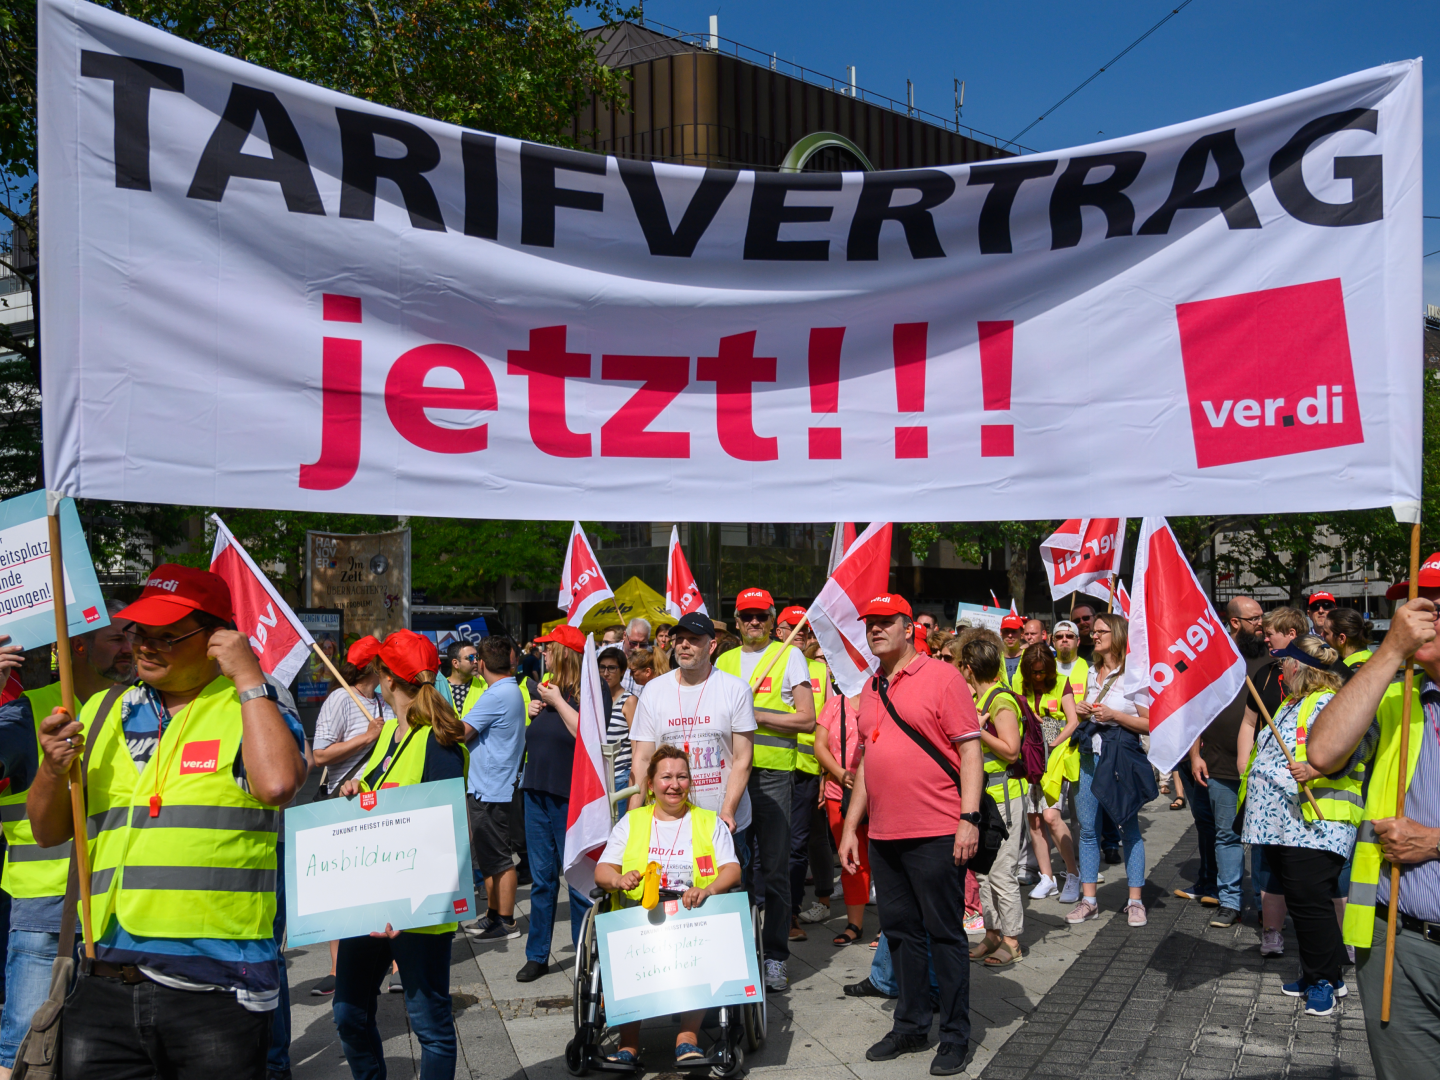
(262, 293)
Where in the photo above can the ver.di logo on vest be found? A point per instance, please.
(200, 757)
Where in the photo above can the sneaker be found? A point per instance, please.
(1299, 987)
(1209, 900)
(395, 986)
(1070, 894)
(975, 922)
(1046, 887)
(1084, 911)
(1135, 913)
(895, 1044)
(1320, 999)
(1272, 943)
(776, 977)
(532, 970)
(949, 1059)
(1112, 855)
(865, 988)
(1226, 917)
(816, 912)
(1100, 877)
(498, 929)
(324, 988)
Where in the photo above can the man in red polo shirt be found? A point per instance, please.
(922, 830)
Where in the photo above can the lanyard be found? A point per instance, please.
(680, 706)
(395, 758)
(160, 770)
(666, 856)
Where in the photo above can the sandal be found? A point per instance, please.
(876, 943)
(688, 1051)
(796, 934)
(985, 948)
(1179, 803)
(848, 936)
(1002, 957)
(1165, 789)
(622, 1057)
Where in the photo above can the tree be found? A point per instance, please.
(972, 539)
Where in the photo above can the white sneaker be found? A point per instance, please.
(816, 912)
(1070, 894)
(1100, 877)
(1046, 887)
(1272, 943)
(776, 977)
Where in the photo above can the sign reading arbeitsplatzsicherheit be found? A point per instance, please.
(27, 591)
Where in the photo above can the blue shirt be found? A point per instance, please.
(498, 717)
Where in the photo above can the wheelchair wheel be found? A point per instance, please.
(585, 959)
(578, 1057)
(756, 1017)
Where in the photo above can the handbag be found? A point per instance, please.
(38, 1056)
(993, 831)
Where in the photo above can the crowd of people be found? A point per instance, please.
(972, 765)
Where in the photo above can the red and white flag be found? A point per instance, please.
(587, 826)
(582, 585)
(1122, 599)
(1181, 656)
(1095, 556)
(281, 642)
(863, 574)
(682, 595)
(841, 540)
(994, 599)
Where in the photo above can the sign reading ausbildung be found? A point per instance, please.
(403, 862)
(27, 590)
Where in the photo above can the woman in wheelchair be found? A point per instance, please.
(696, 857)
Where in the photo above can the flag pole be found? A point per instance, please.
(1110, 603)
(1289, 757)
(315, 648)
(67, 701)
(1392, 917)
(759, 676)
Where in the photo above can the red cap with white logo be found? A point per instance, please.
(567, 635)
(754, 600)
(791, 616)
(888, 604)
(1012, 622)
(1429, 579)
(174, 591)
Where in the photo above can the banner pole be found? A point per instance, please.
(315, 648)
(67, 702)
(759, 676)
(1289, 757)
(1392, 917)
(1110, 603)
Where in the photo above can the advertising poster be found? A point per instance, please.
(365, 575)
(327, 627)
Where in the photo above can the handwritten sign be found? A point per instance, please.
(669, 960)
(351, 870)
(27, 591)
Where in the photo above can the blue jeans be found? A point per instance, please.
(1206, 883)
(278, 1059)
(1087, 808)
(27, 984)
(882, 970)
(545, 838)
(424, 962)
(1229, 851)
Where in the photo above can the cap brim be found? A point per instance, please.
(1399, 591)
(155, 611)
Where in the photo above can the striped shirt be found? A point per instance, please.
(1420, 883)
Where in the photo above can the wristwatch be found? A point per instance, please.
(973, 817)
(264, 690)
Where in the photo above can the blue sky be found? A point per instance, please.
(1020, 57)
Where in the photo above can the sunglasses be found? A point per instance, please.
(1323, 605)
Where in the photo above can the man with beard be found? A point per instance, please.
(1213, 783)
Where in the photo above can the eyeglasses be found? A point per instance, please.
(1323, 605)
(613, 669)
(155, 644)
(1098, 631)
(1252, 618)
(752, 616)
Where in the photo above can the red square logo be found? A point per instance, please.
(750, 991)
(368, 799)
(91, 614)
(1268, 373)
(462, 906)
(200, 757)
(672, 906)
(764, 685)
(705, 864)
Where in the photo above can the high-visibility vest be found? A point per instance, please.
(1049, 701)
(404, 767)
(1368, 862)
(702, 846)
(805, 744)
(31, 870)
(773, 749)
(1001, 786)
(1079, 673)
(1341, 799)
(1006, 679)
(1355, 659)
(477, 687)
(204, 865)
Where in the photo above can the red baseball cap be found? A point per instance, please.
(753, 600)
(791, 616)
(407, 654)
(567, 635)
(887, 604)
(363, 651)
(174, 591)
(1429, 579)
(1012, 622)
(1320, 596)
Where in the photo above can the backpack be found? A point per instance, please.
(1034, 754)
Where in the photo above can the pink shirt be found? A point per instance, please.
(829, 719)
(907, 793)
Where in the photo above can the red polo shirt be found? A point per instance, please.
(907, 793)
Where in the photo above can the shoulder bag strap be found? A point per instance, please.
(919, 740)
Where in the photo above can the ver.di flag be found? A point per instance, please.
(682, 595)
(279, 638)
(1181, 657)
(587, 823)
(863, 574)
(1081, 553)
(582, 584)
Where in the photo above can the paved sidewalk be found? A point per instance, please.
(513, 1031)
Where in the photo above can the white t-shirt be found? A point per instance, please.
(340, 720)
(702, 716)
(670, 843)
(1112, 697)
(797, 672)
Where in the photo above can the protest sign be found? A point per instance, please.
(365, 575)
(27, 592)
(668, 960)
(980, 615)
(404, 861)
(1235, 297)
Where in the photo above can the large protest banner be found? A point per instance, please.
(263, 293)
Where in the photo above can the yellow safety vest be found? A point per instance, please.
(404, 767)
(477, 687)
(1355, 659)
(1006, 679)
(31, 870)
(773, 749)
(805, 744)
(1079, 674)
(1368, 862)
(1341, 799)
(204, 865)
(702, 846)
(1001, 786)
(1049, 703)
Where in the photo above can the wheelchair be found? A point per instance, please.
(733, 1029)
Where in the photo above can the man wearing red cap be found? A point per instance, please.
(1320, 605)
(186, 775)
(784, 709)
(1012, 633)
(807, 817)
(923, 822)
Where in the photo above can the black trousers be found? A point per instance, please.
(1308, 878)
(919, 890)
(140, 1032)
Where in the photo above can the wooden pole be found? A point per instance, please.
(67, 702)
(759, 676)
(341, 680)
(1289, 757)
(1392, 918)
(1110, 603)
